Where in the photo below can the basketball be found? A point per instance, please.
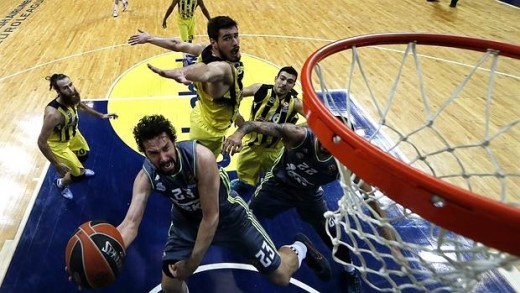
(95, 254)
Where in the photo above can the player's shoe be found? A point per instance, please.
(351, 281)
(114, 13)
(125, 5)
(314, 259)
(64, 190)
(89, 173)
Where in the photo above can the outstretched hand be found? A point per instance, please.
(110, 116)
(140, 38)
(175, 74)
(232, 144)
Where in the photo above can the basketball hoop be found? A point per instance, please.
(415, 178)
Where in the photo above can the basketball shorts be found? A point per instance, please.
(238, 230)
(272, 198)
(186, 27)
(205, 134)
(68, 152)
(255, 160)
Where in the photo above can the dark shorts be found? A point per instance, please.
(238, 230)
(272, 198)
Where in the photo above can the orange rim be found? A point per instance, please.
(463, 212)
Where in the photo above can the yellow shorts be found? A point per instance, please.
(68, 152)
(205, 134)
(186, 27)
(253, 160)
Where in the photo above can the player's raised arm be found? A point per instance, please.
(173, 44)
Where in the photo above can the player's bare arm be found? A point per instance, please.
(89, 110)
(169, 12)
(298, 106)
(290, 133)
(173, 44)
(140, 193)
(208, 186)
(52, 118)
(216, 77)
(204, 9)
(251, 90)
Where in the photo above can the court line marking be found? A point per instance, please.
(239, 266)
(507, 4)
(242, 35)
(8, 249)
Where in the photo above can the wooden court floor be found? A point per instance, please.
(82, 39)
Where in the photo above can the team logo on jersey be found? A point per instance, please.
(299, 155)
(160, 187)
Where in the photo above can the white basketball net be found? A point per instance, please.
(434, 259)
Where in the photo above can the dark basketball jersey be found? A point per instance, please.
(301, 168)
(220, 113)
(181, 187)
(268, 107)
(66, 130)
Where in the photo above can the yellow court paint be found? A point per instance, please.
(139, 92)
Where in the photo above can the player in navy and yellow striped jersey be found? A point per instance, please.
(276, 103)
(217, 78)
(60, 140)
(186, 17)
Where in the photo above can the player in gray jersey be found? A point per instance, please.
(295, 182)
(204, 211)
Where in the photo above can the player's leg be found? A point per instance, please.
(115, 11)
(190, 27)
(204, 134)
(269, 199)
(249, 238)
(172, 285)
(181, 239)
(78, 144)
(312, 211)
(182, 24)
(64, 155)
(248, 169)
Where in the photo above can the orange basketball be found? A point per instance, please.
(95, 254)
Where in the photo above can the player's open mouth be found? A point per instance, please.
(168, 166)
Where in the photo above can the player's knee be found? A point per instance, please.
(77, 178)
(82, 155)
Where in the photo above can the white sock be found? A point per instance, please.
(300, 249)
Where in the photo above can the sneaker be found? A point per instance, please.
(64, 190)
(125, 5)
(114, 13)
(89, 173)
(314, 259)
(239, 186)
(351, 281)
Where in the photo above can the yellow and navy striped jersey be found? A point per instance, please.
(67, 130)
(271, 108)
